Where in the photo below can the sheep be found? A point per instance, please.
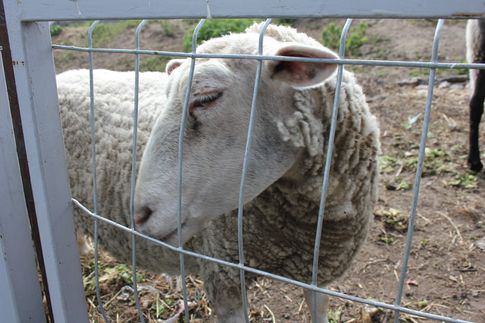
(282, 192)
(475, 53)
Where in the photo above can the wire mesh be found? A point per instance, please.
(328, 161)
(247, 150)
(180, 167)
(93, 169)
(133, 168)
(419, 169)
(241, 266)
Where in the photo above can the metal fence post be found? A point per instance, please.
(36, 87)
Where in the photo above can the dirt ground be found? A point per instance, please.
(447, 264)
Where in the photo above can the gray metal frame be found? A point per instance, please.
(36, 10)
(20, 298)
(31, 50)
(35, 78)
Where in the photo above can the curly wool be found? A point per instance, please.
(113, 102)
(280, 224)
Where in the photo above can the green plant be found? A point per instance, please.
(167, 28)
(105, 32)
(355, 39)
(216, 28)
(284, 21)
(55, 30)
(154, 63)
(466, 180)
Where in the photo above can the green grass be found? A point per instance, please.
(216, 28)
(154, 63)
(105, 32)
(55, 30)
(284, 21)
(440, 72)
(167, 28)
(356, 37)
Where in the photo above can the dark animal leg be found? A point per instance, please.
(476, 111)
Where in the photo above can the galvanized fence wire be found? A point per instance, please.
(92, 128)
(313, 286)
(133, 169)
(183, 126)
(328, 162)
(419, 169)
(242, 186)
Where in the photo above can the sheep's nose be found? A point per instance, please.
(143, 215)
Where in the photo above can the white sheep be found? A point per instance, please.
(285, 166)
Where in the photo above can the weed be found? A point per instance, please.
(392, 219)
(55, 30)
(440, 72)
(64, 57)
(154, 63)
(437, 161)
(105, 32)
(466, 180)
(109, 275)
(423, 243)
(388, 164)
(123, 272)
(386, 238)
(216, 28)
(355, 39)
(167, 28)
(422, 304)
(284, 21)
(399, 184)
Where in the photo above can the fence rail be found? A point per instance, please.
(32, 10)
(34, 72)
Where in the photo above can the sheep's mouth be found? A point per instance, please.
(172, 237)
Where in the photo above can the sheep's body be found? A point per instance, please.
(279, 224)
(475, 52)
(114, 97)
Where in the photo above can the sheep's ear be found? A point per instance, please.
(299, 74)
(173, 64)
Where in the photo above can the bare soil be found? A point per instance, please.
(447, 264)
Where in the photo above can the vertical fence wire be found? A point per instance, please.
(247, 150)
(326, 172)
(133, 169)
(328, 163)
(92, 127)
(183, 126)
(419, 169)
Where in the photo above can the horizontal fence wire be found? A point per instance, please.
(340, 61)
(193, 55)
(283, 279)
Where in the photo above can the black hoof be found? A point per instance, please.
(475, 166)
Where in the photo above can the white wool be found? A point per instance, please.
(279, 224)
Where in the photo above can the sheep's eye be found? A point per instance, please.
(205, 101)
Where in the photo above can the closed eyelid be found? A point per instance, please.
(204, 99)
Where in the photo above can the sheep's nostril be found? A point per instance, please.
(143, 215)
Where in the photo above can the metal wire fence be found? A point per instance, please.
(433, 64)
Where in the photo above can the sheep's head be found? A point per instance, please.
(215, 137)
